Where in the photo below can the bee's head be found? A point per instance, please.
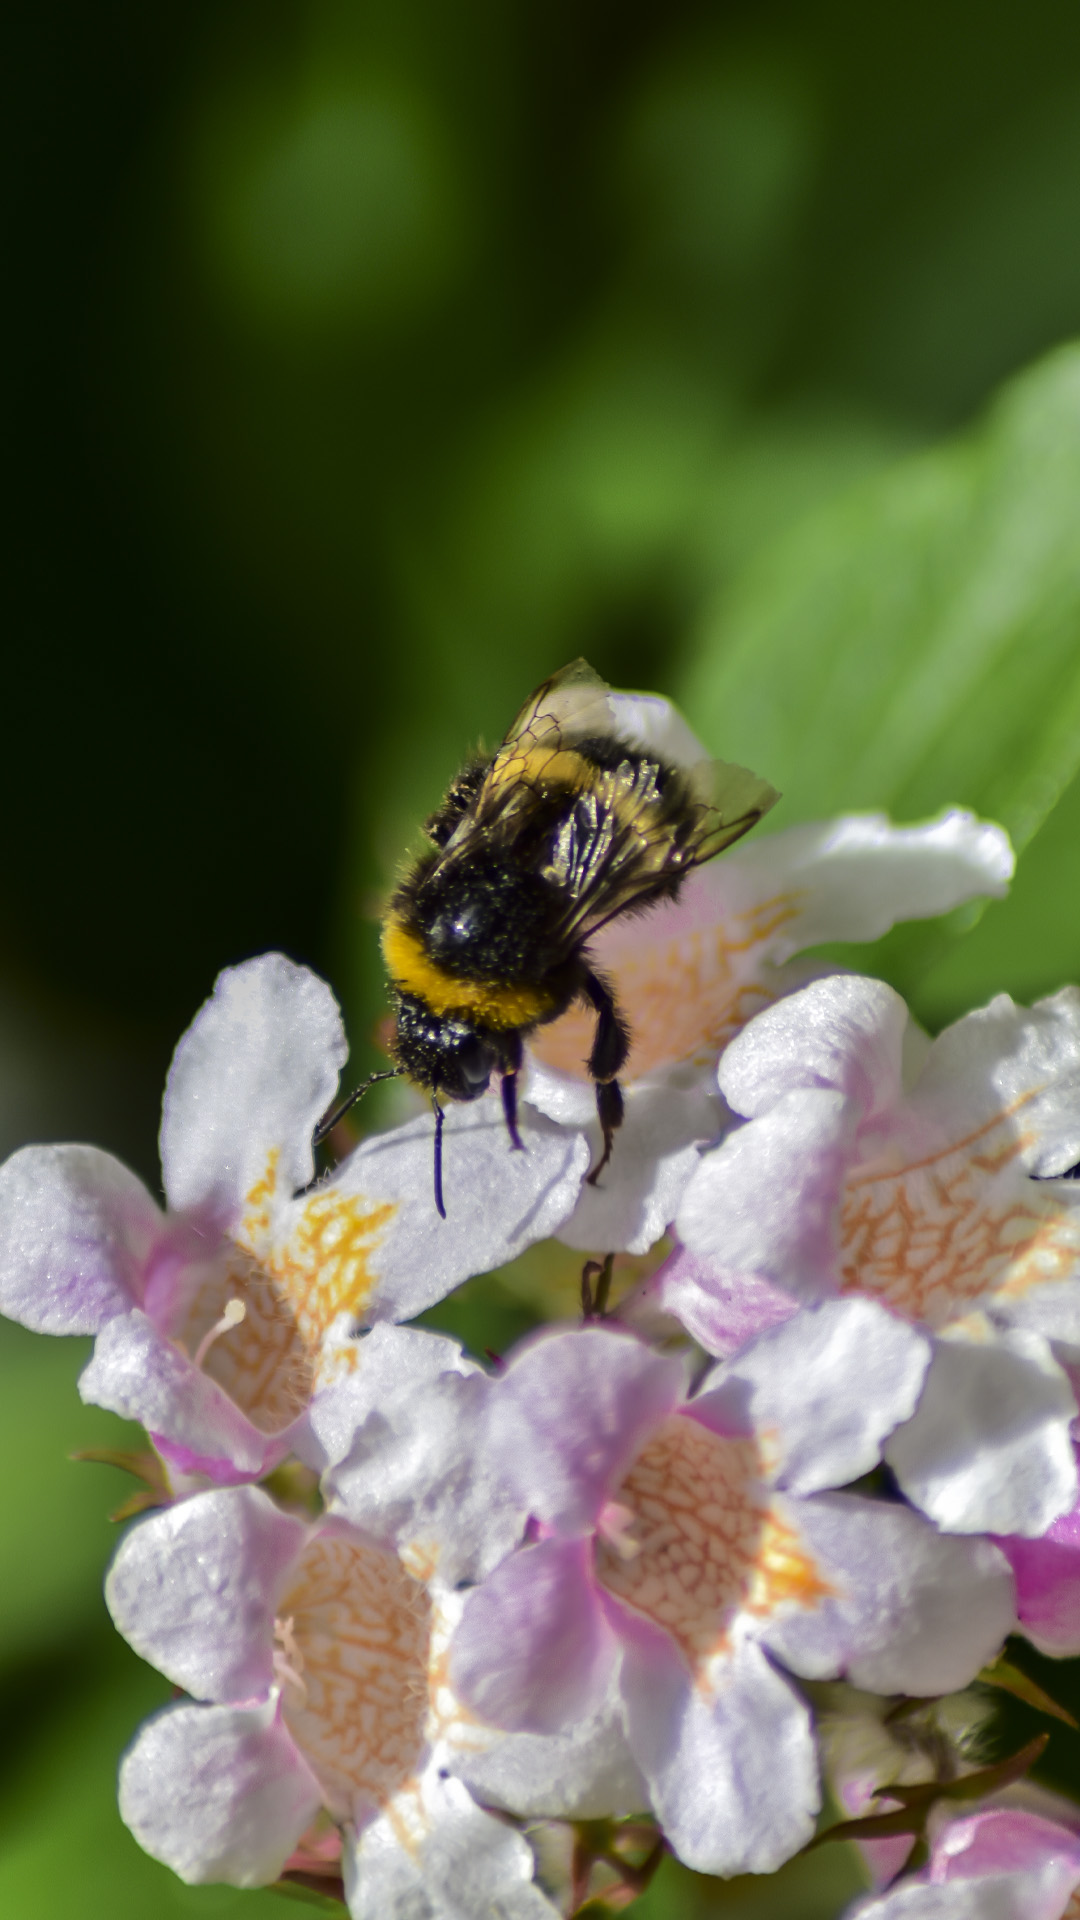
(448, 1056)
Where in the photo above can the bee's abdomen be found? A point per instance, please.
(486, 999)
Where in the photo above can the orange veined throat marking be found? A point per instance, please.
(685, 997)
(353, 1638)
(692, 1538)
(292, 1287)
(489, 1002)
(932, 1236)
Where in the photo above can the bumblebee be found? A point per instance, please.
(533, 849)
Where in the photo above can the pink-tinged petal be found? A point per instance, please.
(767, 1202)
(194, 1589)
(435, 1855)
(656, 1151)
(587, 1774)
(854, 877)
(249, 1081)
(218, 1793)
(1002, 1840)
(988, 1449)
(824, 1390)
(731, 1766)
(571, 1412)
(1001, 1864)
(533, 1652)
(136, 1372)
(417, 1472)
(1004, 1897)
(906, 1610)
(498, 1202)
(1047, 1573)
(843, 1034)
(76, 1231)
(723, 1312)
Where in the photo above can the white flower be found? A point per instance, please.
(939, 1198)
(212, 1319)
(318, 1657)
(683, 1545)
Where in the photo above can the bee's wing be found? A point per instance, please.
(623, 844)
(573, 701)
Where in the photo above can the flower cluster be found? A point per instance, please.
(462, 1639)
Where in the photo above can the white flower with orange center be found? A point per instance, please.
(690, 973)
(317, 1654)
(213, 1318)
(685, 1545)
(926, 1177)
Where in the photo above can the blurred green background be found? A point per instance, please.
(365, 362)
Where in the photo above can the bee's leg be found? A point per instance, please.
(509, 1100)
(611, 1044)
(609, 1106)
(512, 1055)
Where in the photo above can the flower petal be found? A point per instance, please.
(417, 1473)
(1004, 1059)
(194, 1589)
(731, 1768)
(1000, 1864)
(533, 1652)
(855, 877)
(136, 1372)
(908, 1611)
(218, 1793)
(723, 1312)
(76, 1230)
(656, 1151)
(435, 1855)
(988, 1449)
(498, 1202)
(826, 1388)
(767, 1203)
(249, 1081)
(570, 1413)
(1047, 1573)
(1012, 1896)
(587, 1774)
(843, 1034)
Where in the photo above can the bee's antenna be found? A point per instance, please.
(327, 1126)
(438, 1111)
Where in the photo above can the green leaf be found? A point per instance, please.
(914, 644)
(1001, 1673)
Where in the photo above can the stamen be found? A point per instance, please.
(235, 1311)
(614, 1527)
(288, 1659)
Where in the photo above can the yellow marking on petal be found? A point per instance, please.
(491, 1003)
(709, 1542)
(685, 998)
(930, 1236)
(1072, 1911)
(358, 1635)
(293, 1268)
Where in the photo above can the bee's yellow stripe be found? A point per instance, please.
(488, 1002)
